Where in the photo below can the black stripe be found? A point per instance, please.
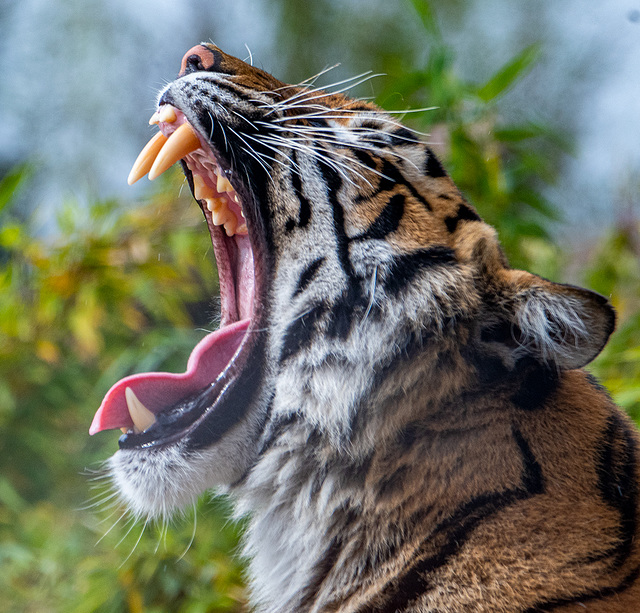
(321, 123)
(580, 599)
(305, 206)
(451, 534)
(394, 483)
(388, 220)
(617, 481)
(537, 383)
(402, 136)
(532, 478)
(364, 157)
(433, 168)
(320, 572)
(235, 89)
(393, 172)
(390, 177)
(464, 212)
(301, 331)
(307, 276)
(345, 310)
(334, 183)
(405, 267)
(275, 429)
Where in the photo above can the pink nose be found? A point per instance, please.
(196, 59)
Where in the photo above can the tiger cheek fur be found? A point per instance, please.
(401, 415)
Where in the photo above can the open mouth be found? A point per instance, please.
(158, 408)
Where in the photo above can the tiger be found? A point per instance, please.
(402, 417)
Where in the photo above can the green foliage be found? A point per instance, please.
(500, 168)
(118, 290)
(614, 270)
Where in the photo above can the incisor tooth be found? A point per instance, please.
(182, 142)
(165, 113)
(141, 417)
(145, 160)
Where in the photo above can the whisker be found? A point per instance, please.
(193, 533)
(135, 546)
(372, 290)
(123, 514)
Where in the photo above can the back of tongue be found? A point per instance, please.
(160, 390)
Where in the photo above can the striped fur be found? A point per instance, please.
(421, 437)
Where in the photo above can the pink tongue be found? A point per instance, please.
(159, 390)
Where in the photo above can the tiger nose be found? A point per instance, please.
(197, 59)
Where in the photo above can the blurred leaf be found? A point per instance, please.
(428, 17)
(509, 74)
(11, 183)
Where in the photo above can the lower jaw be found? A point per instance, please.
(229, 345)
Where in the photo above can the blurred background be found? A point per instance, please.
(536, 116)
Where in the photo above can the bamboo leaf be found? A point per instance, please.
(509, 74)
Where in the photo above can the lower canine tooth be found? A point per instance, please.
(141, 417)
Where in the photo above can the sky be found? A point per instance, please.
(80, 77)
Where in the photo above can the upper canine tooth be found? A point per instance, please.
(145, 159)
(141, 417)
(182, 142)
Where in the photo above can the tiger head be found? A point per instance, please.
(351, 270)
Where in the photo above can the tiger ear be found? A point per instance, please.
(555, 323)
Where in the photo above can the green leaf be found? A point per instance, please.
(428, 18)
(509, 74)
(11, 182)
